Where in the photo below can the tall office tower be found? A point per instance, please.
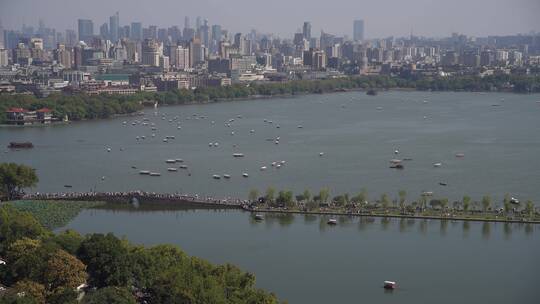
(4, 57)
(150, 52)
(237, 40)
(358, 30)
(162, 35)
(196, 52)
(114, 23)
(187, 22)
(124, 32)
(181, 58)
(198, 23)
(63, 56)
(152, 30)
(307, 31)
(205, 33)
(136, 31)
(104, 31)
(86, 29)
(71, 38)
(2, 44)
(188, 34)
(216, 33)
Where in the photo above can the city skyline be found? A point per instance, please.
(379, 22)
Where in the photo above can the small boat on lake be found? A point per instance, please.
(443, 184)
(226, 176)
(170, 161)
(183, 167)
(155, 174)
(460, 155)
(389, 285)
(332, 221)
(20, 145)
(514, 201)
(437, 165)
(258, 217)
(172, 169)
(245, 174)
(144, 172)
(215, 176)
(68, 186)
(397, 166)
(238, 154)
(179, 160)
(263, 168)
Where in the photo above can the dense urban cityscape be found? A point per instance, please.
(124, 58)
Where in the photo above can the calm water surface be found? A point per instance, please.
(301, 258)
(304, 260)
(358, 135)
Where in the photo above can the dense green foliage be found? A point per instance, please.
(53, 214)
(82, 106)
(14, 178)
(46, 268)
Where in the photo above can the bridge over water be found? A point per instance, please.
(141, 198)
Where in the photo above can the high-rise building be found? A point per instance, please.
(104, 31)
(180, 57)
(216, 32)
(186, 22)
(198, 23)
(358, 30)
(205, 33)
(4, 57)
(307, 31)
(196, 52)
(150, 52)
(114, 24)
(86, 29)
(2, 44)
(63, 56)
(71, 38)
(136, 31)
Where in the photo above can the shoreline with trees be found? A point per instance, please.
(425, 207)
(81, 106)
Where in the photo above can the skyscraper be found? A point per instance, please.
(136, 31)
(104, 31)
(307, 31)
(86, 29)
(2, 44)
(358, 30)
(186, 22)
(114, 22)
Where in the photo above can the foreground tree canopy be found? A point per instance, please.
(42, 267)
(14, 178)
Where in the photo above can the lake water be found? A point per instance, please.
(358, 135)
(299, 257)
(303, 260)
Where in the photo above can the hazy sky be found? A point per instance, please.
(284, 17)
